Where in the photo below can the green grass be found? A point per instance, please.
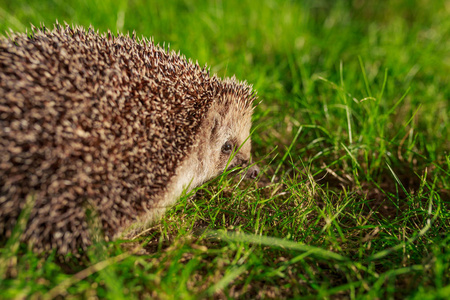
(352, 136)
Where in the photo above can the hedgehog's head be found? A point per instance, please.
(223, 140)
(228, 130)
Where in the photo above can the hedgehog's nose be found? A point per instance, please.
(252, 172)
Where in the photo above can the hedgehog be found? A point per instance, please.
(108, 129)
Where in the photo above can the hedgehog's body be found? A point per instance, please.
(109, 125)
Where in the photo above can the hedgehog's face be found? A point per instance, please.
(223, 142)
(230, 142)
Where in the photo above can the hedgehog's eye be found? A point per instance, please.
(227, 147)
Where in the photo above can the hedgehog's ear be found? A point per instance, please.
(215, 125)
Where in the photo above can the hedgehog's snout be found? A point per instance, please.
(252, 172)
